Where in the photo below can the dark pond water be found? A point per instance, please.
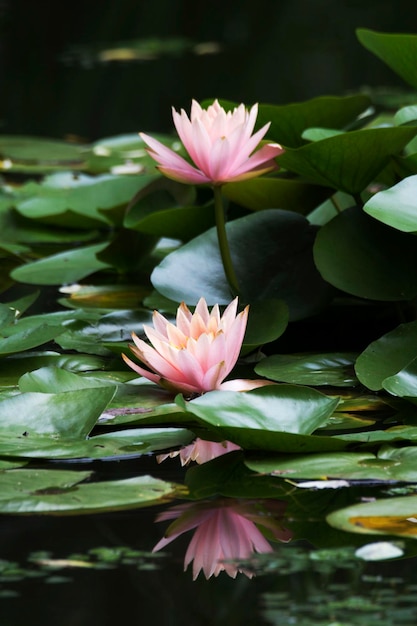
(100, 569)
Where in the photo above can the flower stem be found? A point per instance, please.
(223, 243)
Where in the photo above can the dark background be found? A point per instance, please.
(274, 51)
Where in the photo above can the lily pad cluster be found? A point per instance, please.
(93, 238)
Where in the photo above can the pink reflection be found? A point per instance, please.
(200, 451)
(225, 530)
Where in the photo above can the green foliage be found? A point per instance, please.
(397, 51)
(281, 267)
(324, 250)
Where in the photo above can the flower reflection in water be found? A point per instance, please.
(226, 532)
(200, 451)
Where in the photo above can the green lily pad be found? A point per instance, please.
(349, 161)
(66, 414)
(334, 369)
(78, 200)
(115, 445)
(112, 331)
(389, 464)
(277, 417)
(28, 154)
(406, 115)
(404, 382)
(64, 493)
(388, 516)
(13, 367)
(387, 356)
(47, 379)
(34, 330)
(363, 257)
(288, 121)
(276, 193)
(282, 268)
(396, 206)
(65, 267)
(267, 321)
(397, 51)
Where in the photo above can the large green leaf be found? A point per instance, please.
(280, 268)
(334, 369)
(65, 267)
(396, 206)
(277, 417)
(387, 356)
(363, 257)
(276, 193)
(348, 161)
(399, 52)
(64, 493)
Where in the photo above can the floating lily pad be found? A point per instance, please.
(334, 369)
(389, 516)
(387, 356)
(64, 267)
(404, 382)
(389, 464)
(28, 154)
(63, 492)
(116, 445)
(276, 417)
(66, 414)
(78, 200)
(363, 257)
(396, 206)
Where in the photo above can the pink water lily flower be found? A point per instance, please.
(220, 144)
(196, 354)
(226, 531)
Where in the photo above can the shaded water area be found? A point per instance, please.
(321, 480)
(99, 568)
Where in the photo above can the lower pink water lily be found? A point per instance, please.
(197, 353)
(226, 533)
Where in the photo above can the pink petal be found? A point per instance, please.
(261, 161)
(172, 164)
(139, 370)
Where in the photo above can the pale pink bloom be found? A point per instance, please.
(219, 143)
(196, 354)
(226, 533)
(200, 451)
